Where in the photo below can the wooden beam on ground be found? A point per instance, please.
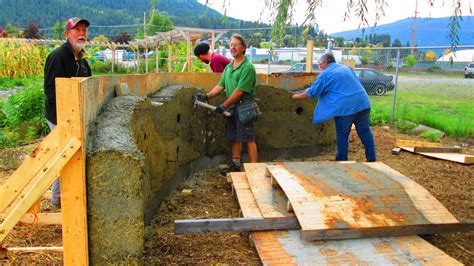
(388, 231)
(453, 157)
(42, 218)
(414, 143)
(34, 249)
(236, 225)
(291, 223)
(44, 181)
(70, 112)
(443, 149)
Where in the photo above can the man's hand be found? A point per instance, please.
(201, 97)
(220, 109)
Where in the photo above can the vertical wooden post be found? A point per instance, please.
(113, 47)
(309, 56)
(157, 47)
(188, 51)
(146, 58)
(73, 176)
(169, 53)
(213, 42)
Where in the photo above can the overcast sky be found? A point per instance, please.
(330, 17)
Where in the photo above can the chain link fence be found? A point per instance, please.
(429, 86)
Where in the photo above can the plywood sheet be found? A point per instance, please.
(327, 195)
(286, 247)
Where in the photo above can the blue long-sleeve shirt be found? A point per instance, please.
(340, 93)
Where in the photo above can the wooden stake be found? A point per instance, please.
(69, 100)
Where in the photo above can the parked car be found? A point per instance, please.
(128, 56)
(374, 81)
(469, 71)
(99, 56)
(301, 67)
(144, 55)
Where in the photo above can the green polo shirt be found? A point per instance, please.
(243, 78)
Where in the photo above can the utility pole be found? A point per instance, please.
(144, 25)
(413, 35)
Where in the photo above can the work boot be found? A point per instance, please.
(232, 168)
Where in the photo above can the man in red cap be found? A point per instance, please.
(216, 61)
(66, 61)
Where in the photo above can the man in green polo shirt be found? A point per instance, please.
(238, 82)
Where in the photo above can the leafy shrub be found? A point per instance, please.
(364, 60)
(377, 118)
(433, 136)
(431, 68)
(22, 118)
(405, 126)
(106, 67)
(410, 60)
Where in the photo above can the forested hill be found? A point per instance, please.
(430, 31)
(187, 13)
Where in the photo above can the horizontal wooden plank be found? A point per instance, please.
(41, 218)
(235, 225)
(34, 249)
(388, 231)
(442, 149)
(415, 143)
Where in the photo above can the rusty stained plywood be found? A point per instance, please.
(286, 247)
(329, 195)
(271, 201)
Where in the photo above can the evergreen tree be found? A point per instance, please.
(32, 31)
(11, 30)
(397, 43)
(58, 31)
(123, 37)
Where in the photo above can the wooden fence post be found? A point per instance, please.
(73, 176)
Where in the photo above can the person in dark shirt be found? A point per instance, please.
(66, 61)
(216, 61)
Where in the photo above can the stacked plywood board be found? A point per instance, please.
(435, 150)
(338, 196)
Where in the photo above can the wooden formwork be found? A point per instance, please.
(62, 152)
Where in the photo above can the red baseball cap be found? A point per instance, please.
(71, 23)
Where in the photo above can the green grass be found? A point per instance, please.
(446, 106)
(6, 83)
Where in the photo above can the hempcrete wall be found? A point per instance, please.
(138, 152)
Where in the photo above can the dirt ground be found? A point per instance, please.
(451, 183)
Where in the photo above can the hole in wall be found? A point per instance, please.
(178, 118)
(299, 110)
(177, 150)
(144, 136)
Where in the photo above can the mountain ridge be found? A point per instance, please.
(430, 31)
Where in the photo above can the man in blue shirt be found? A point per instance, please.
(342, 97)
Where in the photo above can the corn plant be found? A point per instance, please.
(19, 59)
